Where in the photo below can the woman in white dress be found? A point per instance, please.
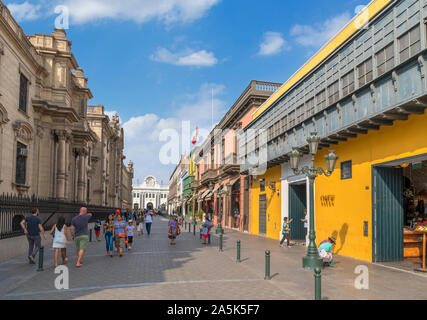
(60, 240)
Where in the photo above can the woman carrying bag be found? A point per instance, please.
(174, 230)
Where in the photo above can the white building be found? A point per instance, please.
(150, 195)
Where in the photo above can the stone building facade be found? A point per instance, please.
(150, 195)
(48, 147)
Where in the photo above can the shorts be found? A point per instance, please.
(119, 242)
(130, 239)
(97, 232)
(81, 242)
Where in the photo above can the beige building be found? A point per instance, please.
(49, 145)
(110, 181)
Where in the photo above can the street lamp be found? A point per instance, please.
(312, 260)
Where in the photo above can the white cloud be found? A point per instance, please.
(187, 57)
(24, 11)
(273, 43)
(319, 34)
(142, 144)
(140, 11)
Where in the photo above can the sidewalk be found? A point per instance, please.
(189, 270)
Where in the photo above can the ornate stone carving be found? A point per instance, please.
(23, 131)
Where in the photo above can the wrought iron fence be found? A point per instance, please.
(13, 209)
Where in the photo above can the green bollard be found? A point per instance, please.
(238, 250)
(41, 254)
(220, 243)
(194, 228)
(267, 265)
(209, 238)
(317, 284)
(90, 235)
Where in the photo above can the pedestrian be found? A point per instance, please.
(207, 226)
(286, 231)
(305, 220)
(140, 224)
(60, 240)
(120, 233)
(148, 222)
(109, 232)
(173, 229)
(130, 232)
(80, 233)
(97, 229)
(32, 227)
(325, 251)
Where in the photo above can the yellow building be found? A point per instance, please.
(364, 94)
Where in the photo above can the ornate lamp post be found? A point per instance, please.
(312, 260)
(220, 192)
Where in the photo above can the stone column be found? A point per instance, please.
(81, 180)
(61, 164)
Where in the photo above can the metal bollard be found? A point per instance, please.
(90, 235)
(267, 265)
(41, 254)
(238, 250)
(317, 284)
(194, 228)
(209, 238)
(220, 243)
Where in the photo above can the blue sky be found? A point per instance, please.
(156, 62)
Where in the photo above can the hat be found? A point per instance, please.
(130, 220)
(332, 240)
(117, 211)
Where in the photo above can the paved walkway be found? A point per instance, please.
(189, 270)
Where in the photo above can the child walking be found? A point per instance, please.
(60, 240)
(130, 231)
(286, 231)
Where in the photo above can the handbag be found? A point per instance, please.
(178, 231)
(121, 235)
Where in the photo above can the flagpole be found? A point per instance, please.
(212, 111)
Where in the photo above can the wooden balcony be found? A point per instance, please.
(195, 184)
(231, 165)
(210, 175)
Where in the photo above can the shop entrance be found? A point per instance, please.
(235, 205)
(399, 198)
(297, 205)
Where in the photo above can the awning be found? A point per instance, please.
(204, 194)
(208, 195)
(232, 182)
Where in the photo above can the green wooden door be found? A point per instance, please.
(297, 205)
(387, 216)
(262, 214)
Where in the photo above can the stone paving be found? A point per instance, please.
(190, 270)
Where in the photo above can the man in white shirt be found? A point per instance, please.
(305, 220)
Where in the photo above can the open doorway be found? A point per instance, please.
(399, 202)
(297, 205)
